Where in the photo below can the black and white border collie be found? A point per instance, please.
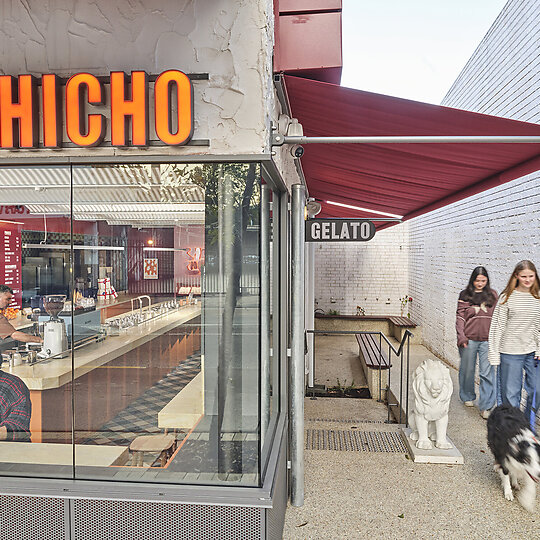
(516, 452)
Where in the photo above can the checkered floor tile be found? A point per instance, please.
(140, 418)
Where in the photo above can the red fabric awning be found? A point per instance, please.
(403, 179)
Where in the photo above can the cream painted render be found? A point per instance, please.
(230, 40)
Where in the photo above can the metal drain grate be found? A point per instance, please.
(354, 441)
(345, 421)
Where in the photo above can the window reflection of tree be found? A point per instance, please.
(232, 200)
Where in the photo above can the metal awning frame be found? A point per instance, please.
(279, 139)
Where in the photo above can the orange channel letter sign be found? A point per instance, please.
(87, 111)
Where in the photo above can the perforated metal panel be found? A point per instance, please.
(354, 441)
(32, 518)
(122, 520)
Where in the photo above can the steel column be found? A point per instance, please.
(229, 393)
(265, 310)
(310, 309)
(297, 369)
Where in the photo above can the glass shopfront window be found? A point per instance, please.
(145, 282)
(35, 263)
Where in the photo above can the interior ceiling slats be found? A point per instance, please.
(147, 208)
(124, 193)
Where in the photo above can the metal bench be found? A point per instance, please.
(375, 364)
(398, 325)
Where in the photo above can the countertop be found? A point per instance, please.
(62, 454)
(57, 372)
(21, 322)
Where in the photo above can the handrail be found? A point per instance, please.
(407, 334)
(339, 332)
(403, 339)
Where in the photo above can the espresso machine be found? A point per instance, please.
(54, 330)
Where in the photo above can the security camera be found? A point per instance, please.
(297, 151)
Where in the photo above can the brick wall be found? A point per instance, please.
(372, 274)
(496, 228)
(502, 77)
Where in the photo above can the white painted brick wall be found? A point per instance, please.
(502, 77)
(371, 274)
(496, 228)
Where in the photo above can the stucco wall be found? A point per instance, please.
(231, 40)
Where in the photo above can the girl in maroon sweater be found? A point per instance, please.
(473, 318)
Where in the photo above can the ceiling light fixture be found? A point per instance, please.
(67, 247)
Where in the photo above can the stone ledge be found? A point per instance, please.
(367, 323)
(435, 455)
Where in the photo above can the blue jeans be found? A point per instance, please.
(488, 389)
(499, 390)
(512, 369)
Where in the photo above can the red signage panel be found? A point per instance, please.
(10, 254)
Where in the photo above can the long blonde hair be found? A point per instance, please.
(513, 281)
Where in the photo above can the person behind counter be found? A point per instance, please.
(6, 328)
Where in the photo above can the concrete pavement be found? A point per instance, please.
(384, 495)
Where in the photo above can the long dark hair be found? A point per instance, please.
(486, 296)
(513, 281)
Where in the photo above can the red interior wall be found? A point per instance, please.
(137, 239)
(36, 222)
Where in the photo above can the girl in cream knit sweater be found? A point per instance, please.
(514, 336)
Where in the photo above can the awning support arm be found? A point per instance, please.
(278, 139)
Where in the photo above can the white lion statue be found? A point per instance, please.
(432, 388)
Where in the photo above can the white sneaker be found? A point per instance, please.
(485, 414)
(468, 403)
